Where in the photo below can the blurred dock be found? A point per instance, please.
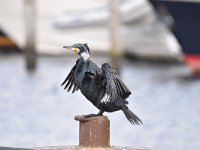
(12, 148)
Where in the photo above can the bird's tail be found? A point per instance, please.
(132, 117)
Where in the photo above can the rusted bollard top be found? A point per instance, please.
(82, 118)
(94, 131)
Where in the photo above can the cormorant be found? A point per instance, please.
(101, 86)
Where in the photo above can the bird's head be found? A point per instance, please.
(81, 49)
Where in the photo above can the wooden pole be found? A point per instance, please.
(30, 31)
(116, 47)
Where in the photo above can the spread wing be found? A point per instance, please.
(69, 81)
(114, 84)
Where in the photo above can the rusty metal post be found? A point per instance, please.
(94, 131)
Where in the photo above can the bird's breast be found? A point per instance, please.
(86, 79)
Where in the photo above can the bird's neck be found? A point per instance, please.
(85, 56)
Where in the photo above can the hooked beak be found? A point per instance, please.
(68, 47)
(72, 48)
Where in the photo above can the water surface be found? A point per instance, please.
(36, 111)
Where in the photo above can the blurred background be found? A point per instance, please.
(154, 44)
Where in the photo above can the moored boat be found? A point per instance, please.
(183, 18)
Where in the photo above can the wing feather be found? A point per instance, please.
(67, 78)
(69, 81)
(122, 89)
(71, 84)
(114, 85)
(111, 92)
(75, 88)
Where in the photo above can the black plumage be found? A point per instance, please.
(101, 86)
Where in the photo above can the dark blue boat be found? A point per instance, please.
(183, 18)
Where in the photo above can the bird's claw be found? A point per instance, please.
(92, 115)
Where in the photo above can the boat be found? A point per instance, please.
(141, 34)
(7, 45)
(183, 18)
(100, 15)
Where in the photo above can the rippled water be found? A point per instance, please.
(36, 111)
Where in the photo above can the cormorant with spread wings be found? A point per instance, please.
(101, 86)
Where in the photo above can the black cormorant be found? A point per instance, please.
(101, 86)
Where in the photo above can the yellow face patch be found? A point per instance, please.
(77, 50)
